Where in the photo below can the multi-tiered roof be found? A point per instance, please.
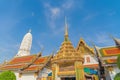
(109, 54)
(67, 53)
(23, 61)
(31, 63)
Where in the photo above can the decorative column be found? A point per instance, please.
(35, 74)
(95, 77)
(79, 70)
(55, 69)
(20, 75)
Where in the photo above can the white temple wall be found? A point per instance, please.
(27, 76)
(58, 78)
(17, 75)
(114, 72)
(44, 73)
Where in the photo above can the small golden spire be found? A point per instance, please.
(66, 30)
(66, 27)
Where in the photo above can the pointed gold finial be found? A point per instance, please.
(66, 27)
(66, 30)
(29, 31)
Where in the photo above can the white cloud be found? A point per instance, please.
(68, 4)
(101, 39)
(7, 52)
(56, 13)
(51, 11)
(89, 17)
(53, 14)
(72, 4)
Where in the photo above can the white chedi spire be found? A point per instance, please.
(25, 46)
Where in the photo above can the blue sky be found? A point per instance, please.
(93, 20)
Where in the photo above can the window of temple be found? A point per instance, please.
(88, 59)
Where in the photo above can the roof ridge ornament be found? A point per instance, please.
(116, 40)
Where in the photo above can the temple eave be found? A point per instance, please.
(66, 73)
(61, 60)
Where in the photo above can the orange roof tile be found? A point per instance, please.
(32, 68)
(91, 65)
(7, 67)
(26, 63)
(41, 60)
(24, 59)
(110, 51)
(38, 64)
(111, 61)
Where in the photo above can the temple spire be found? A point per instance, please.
(25, 46)
(66, 30)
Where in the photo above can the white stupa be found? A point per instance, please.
(25, 46)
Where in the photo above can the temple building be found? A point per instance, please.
(108, 56)
(27, 66)
(74, 63)
(25, 45)
(69, 63)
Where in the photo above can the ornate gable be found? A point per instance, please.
(83, 48)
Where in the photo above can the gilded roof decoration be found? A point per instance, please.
(67, 51)
(110, 51)
(83, 48)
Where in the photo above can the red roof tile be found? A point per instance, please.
(41, 60)
(20, 63)
(25, 59)
(39, 63)
(7, 67)
(111, 61)
(32, 68)
(110, 51)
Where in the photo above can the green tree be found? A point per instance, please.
(7, 75)
(118, 61)
(117, 76)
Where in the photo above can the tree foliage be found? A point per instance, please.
(118, 61)
(117, 76)
(7, 75)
